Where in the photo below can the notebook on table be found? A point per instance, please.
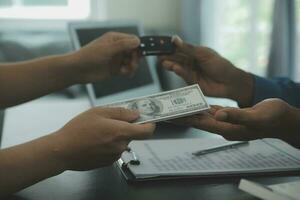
(173, 158)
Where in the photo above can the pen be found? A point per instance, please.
(220, 148)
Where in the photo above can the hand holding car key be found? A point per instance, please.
(156, 45)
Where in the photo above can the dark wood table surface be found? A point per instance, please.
(108, 183)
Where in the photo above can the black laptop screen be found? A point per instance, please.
(120, 83)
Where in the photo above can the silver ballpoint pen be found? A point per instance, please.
(220, 148)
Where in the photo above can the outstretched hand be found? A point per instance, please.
(272, 118)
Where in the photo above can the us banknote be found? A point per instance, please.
(166, 105)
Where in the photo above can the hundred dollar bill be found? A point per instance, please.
(166, 105)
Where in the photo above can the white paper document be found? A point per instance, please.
(291, 189)
(283, 191)
(174, 157)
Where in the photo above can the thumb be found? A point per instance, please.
(182, 46)
(120, 114)
(126, 44)
(237, 116)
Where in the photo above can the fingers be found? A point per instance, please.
(134, 61)
(184, 47)
(119, 36)
(122, 117)
(214, 109)
(169, 65)
(203, 121)
(130, 64)
(139, 131)
(120, 114)
(184, 52)
(179, 58)
(121, 42)
(175, 67)
(208, 123)
(180, 63)
(177, 40)
(237, 116)
(126, 44)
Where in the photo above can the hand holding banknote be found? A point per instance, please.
(272, 118)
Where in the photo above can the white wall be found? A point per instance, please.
(162, 15)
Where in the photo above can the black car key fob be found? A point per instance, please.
(156, 45)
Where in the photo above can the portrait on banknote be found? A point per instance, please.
(148, 108)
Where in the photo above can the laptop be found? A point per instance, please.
(145, 80)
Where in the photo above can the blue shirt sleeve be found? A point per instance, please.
(281, 88)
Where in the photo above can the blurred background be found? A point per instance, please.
(260, 36)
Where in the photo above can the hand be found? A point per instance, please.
(110, 55)
(272, 118)
(216, 76)
(98, 137)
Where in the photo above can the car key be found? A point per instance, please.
(156, 45)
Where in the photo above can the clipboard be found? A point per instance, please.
(130, 178)
(125, 163)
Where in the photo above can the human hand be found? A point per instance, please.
(216, 76)
(272, 118)
(97, 137)
(110, 55)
